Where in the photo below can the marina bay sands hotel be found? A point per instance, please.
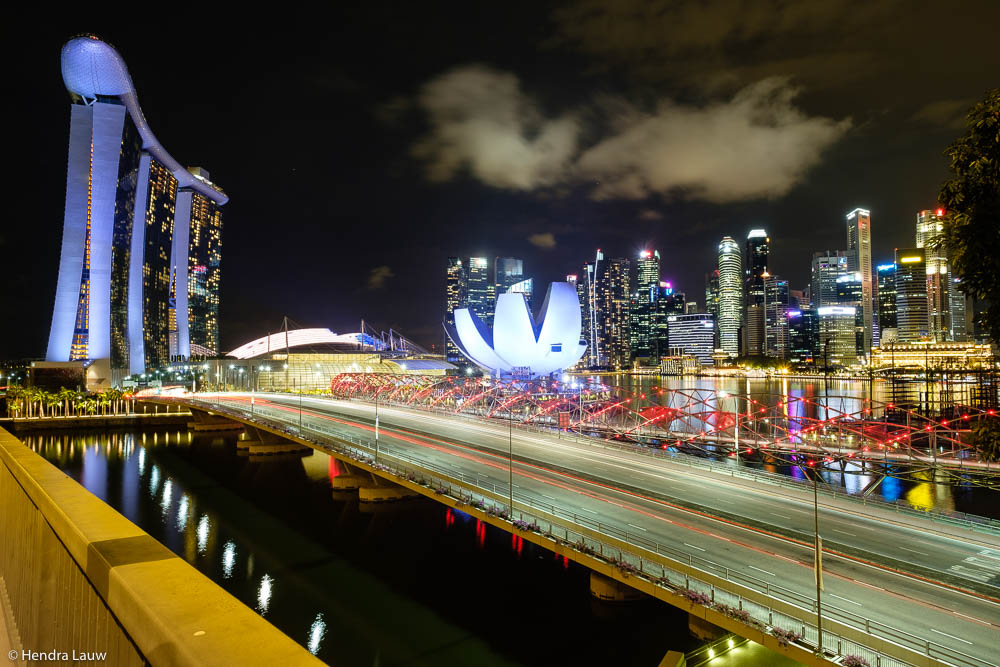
(142, 236)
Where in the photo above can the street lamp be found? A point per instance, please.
(818, 563)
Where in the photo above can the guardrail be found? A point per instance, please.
(669, 568)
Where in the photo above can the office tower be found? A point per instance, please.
(668, 304)
(730, 296)
(911, 295)
(859, 247)
(712, 294)
(592, 313)
(754, 275)
(837, 335)
(454, 298)
(480, 289)
(525, 287)
(694, 334)
(776, 317)
(581, 293)
(850, 292)
(798, 299)
(885, 299)
(803, 335)
(507, 271)
(958, 311)
(613, 296)
(827, 266)
(930, 228)
(691, 308)
(642, 306)
(128, 202)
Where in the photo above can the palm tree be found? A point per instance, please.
(89, 406)
(51, 402)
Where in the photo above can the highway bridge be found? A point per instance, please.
(732, 545)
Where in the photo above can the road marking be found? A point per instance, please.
(760, 570)
(781, 515)
(639, 527)
(978, 575)
(922, 553)
(587, 509)
(952, 636)
(692, 546)
(845, 599)
(549, 497)
(985, 564)
(843, 531)
(990, 554)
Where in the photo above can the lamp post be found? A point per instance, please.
(818, 564)
(510, 457)
(376, 428)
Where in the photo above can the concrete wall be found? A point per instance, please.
(79, 576)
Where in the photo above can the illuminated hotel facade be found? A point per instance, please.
(142, 235)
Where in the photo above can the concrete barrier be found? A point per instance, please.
(81, 577)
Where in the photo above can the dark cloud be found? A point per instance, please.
(650, 215)
(945, 113)
(378, 277)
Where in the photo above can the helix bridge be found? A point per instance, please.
(845, 434)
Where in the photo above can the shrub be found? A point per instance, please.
(786, 637)
(855, 661)
(695, 596)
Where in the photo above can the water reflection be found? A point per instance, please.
(264, 595)
(182, 512)
(316, 634)
(228, 559)
(203, 532)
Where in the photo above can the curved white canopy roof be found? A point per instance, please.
(297, 337)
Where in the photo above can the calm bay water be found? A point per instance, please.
(923, 491)
(406, 583)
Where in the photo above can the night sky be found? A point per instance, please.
(363, 146)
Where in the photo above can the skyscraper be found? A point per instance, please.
(911, 295)
(930, 227)
(850, 293)
(712, 293)
(507, 271)
(642, 307)
(827, 266)
(694, 334)
(730, 296)
(885, 295)
(480, 290)
(837, 334)
(776, 317)
(612, 292)
(592, 313)
(126, 210)
(803, 335)
(454, 298)
(859, 246)
(754, 275)
(958, 311)
(525, 287)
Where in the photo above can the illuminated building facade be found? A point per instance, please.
(480, 290)
(837, 335)
(694, 334)
(850, 292)
(525, 287)
(454, 299)
(121, 226)
(754, 274)
(776, 317)
(827, 266)
(937, 356)
(803, 335)
(612, 295)
(507, 272)
(642, 308)
(911, 295)
(930, 227)
(859, 248)
(885, 295)
(730, 296)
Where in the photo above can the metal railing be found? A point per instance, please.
(568, 527)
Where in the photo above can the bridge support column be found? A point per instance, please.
(378, 490)
(208, 421)
(702, 629)
(608, 590)
(262, 443)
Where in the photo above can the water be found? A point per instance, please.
(408, 583)
(923, 490)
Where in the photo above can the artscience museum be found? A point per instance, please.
(517, 345)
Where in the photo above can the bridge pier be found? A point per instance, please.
(704, 630)
(209, 421)
(379, 490)
(607, 589)
(264, 443)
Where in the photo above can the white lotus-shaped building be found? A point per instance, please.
(516, 345)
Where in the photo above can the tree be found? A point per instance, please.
(985, 438)
(972, 204)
